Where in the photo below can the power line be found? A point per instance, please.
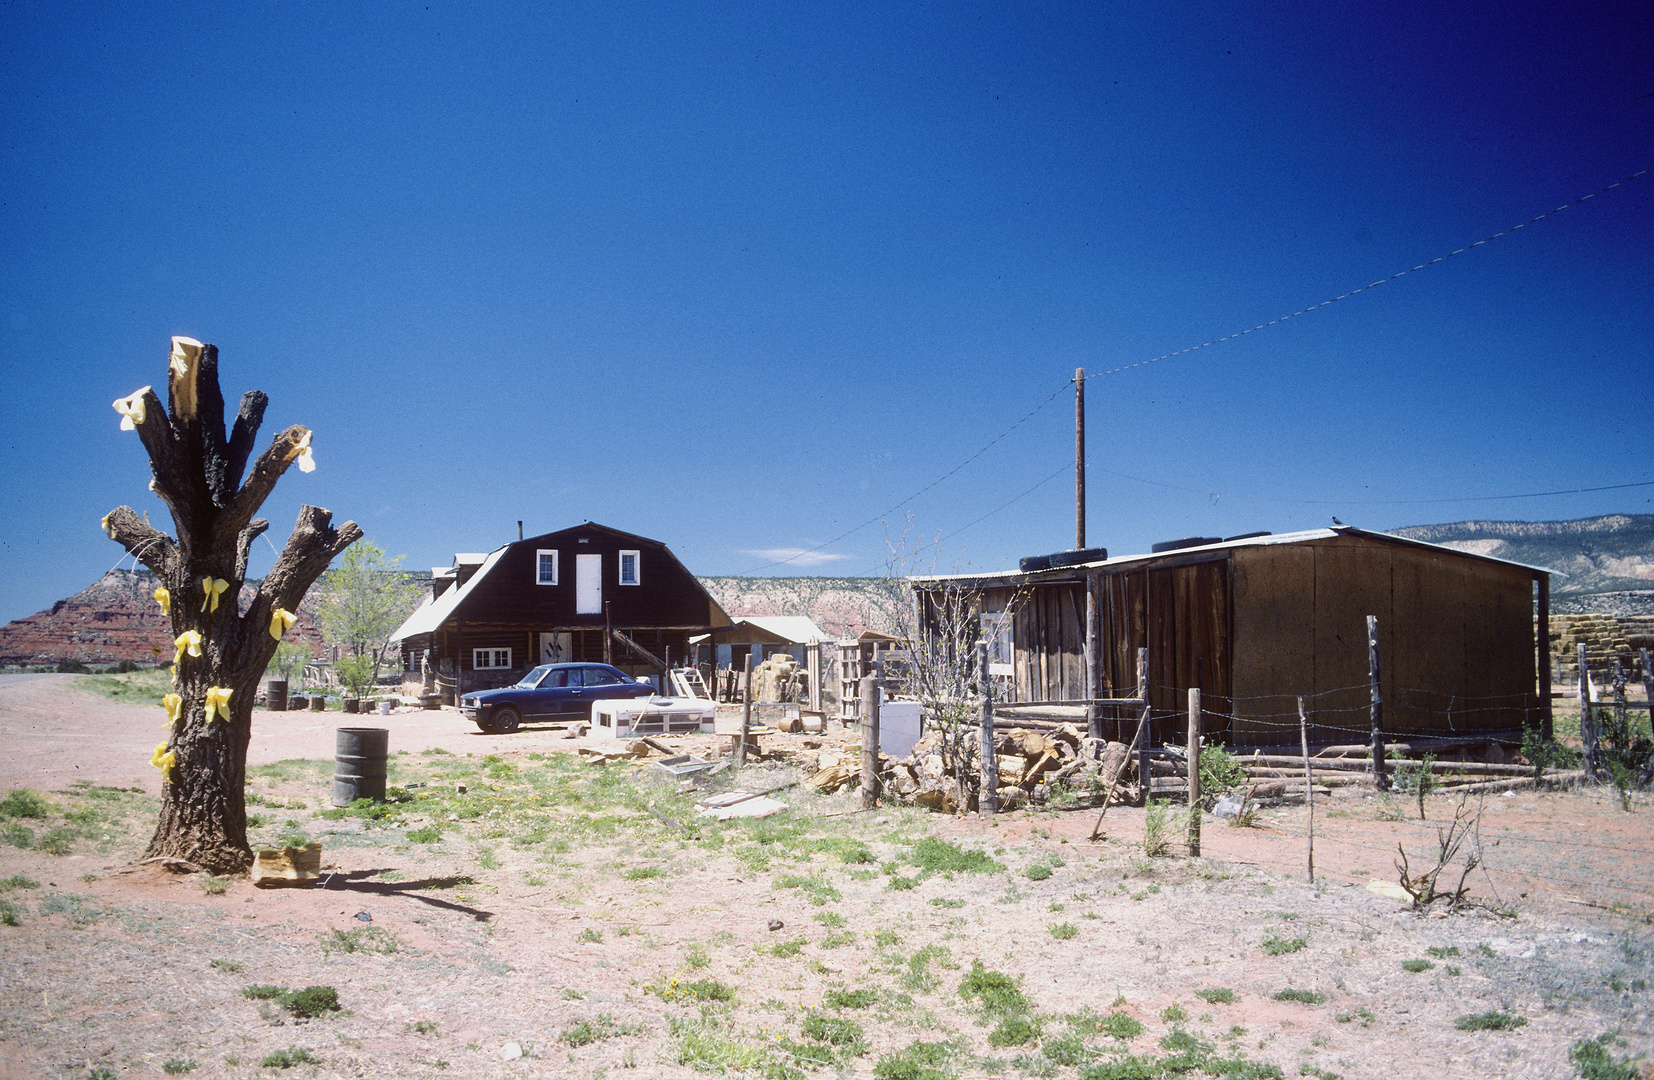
(1230, 337)
(1380, 281)
(1375, 502)
(880, 517)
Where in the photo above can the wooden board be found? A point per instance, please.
(1426, 657)
(1273, 644)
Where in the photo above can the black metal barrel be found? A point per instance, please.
(276, 695)
(359, 764)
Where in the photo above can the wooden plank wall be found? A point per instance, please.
(1181, 613)
(1455, 641)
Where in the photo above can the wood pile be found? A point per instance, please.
(1030, 762)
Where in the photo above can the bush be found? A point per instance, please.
(1302, 997)
(995, 992)
(849, 999)
(23, 803)
(833, 1030)
(1219, 995)
(286, 1059)
(1490, 1021)
(1595, 1061)
(1014, 1031)
(1278, 946)
(1220, 774)
(312, 1001)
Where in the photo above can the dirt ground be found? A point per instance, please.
(540, 933)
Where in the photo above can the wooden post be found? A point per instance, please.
(1093, 716)
(746, 715)
(1543, 607)
(608, 636)
(1309, 784)
(1145, 725)
(1587, 715)
(1379, 779)
(870, 736)
(1648, 684)
(1194, 770)
(1619, 695)
(987, 800)
(1079, 458)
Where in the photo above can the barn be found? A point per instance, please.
(585, 594)
(1256, 622)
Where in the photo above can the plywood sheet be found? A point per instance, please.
(1426, 653)
(1273, 644)
(1352, 581)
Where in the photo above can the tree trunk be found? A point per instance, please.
(203, 819)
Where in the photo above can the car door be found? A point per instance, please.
(546, 700)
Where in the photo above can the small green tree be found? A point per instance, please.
(363, 600)
(289, 661)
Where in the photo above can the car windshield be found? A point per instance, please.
(532, 679)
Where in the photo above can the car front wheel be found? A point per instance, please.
(506, 720)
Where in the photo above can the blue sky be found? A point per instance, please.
(742, 277)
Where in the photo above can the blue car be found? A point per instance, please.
(550, 693)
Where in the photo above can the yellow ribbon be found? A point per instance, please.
(132, 409)
(163, 596)
(174, 705)
(213, 587)
(106, 527)
(307, 462)
(165, 760)
(218, 704)
(189, 641)
(281, 620)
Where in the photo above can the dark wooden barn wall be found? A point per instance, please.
(1455, 642)
(1181, 613)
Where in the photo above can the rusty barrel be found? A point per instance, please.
(359, 764)
(275, 695)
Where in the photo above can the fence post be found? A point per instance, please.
(870, 735)
(1587, 715)
(1379, 779)
(1309, 785)
(987, 800)
(1648, 684)
(1145, 726)
(746, 712)
(1194, 770)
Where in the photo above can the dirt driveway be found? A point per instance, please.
(528, 915)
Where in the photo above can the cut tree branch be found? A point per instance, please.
(242, 436)
(253, 531)
(283, 449)
(152, 547)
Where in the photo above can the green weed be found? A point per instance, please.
(363, 939)
(1303, 997)
(1218, 995)
(1278, 946)
(1490, 1021)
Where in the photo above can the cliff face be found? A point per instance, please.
(1613, 553)
(842, 607)
(114, 619)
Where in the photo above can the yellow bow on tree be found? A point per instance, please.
(281, 620)
(189, 641)
(163, 596)
(132, 409)
(213, 587)
(174, 705)
(165, 760)
(218, 704)
(106, 528)
(307, 461)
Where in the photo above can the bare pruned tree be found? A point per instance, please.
(221, 649)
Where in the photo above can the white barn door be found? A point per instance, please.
(588, 584)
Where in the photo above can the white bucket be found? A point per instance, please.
(385, 707)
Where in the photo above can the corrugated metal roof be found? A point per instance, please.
(1251, 541)
(433, 613)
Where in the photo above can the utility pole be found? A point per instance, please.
(1079, 458)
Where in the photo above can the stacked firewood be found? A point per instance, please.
(1030, 763)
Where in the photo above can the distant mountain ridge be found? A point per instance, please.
(1611, 553)
(1608, 560)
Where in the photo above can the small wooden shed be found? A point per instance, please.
(585, 594)
(1256, 622)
